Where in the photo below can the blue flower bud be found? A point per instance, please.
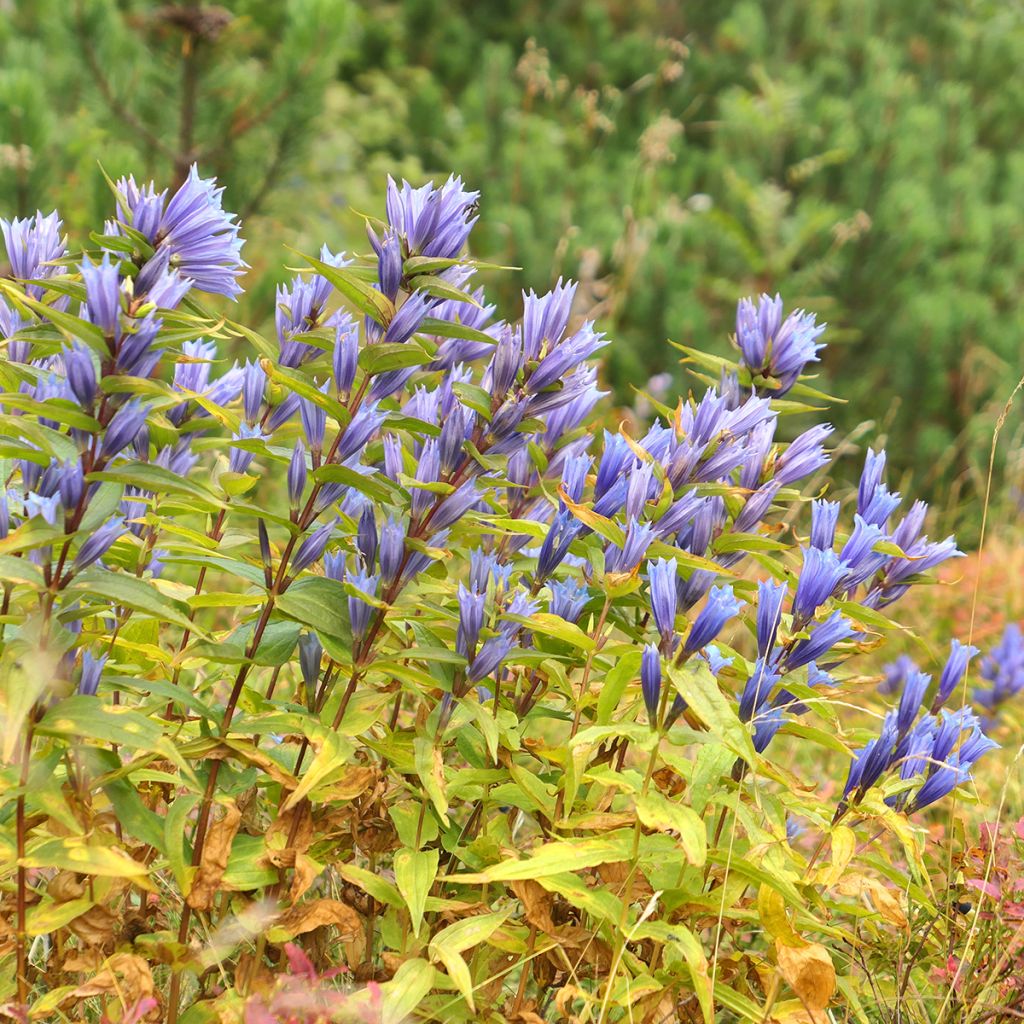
(650, 682)
(297, 475)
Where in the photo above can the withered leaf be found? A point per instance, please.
(306, 871)
(317, 913)
(66, 886)
(537, 903)
(96, 927)
(125, 975)
(356, 781)
(216, 850)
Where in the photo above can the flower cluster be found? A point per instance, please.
(933, 751)
(448, 545)
(1001, 672)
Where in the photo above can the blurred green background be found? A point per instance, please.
(862, 157)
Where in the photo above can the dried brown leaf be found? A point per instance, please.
(96, 927)
(306, 871)
(317, 913)
(123, 975)
(216, 850)
(537, 903)
(66, 886)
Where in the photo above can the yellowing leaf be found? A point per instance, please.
(771, 909)
(216, 851)
(844, 843)
(809, 972)
(553, 859)
(75, 854)
(404, 993)
(415, 871)
(430, 769)
(658, 812)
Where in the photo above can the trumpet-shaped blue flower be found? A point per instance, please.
(662, 576)
(721, 606)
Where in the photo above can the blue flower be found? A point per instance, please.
(871, 478)
(96, 545)
(240, 459)
(804, 456)
(896, 673)
(721, 606)
(824, 518)
(770, 596)
(201, 237)
(491, 654)
(345, 359)
(102, 295)
(953, 671)
(773, 348)
(392, 550)
(366, 536)
(314, 422)
(650, 682)
(638, 539)
(860, 555)
(762, 680)
(92, 669)
(359, 610)
(662, 574)
(310, 653)
(34, 245)
(568, 599)
(312, 547)
(821, 574)
(564, 530)
(432, 221)
(471, 620)
(1002, 670)
(835, 629)
(123, 428)
(297, 475)
(914, 689)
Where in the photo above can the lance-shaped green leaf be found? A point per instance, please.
(415, 871)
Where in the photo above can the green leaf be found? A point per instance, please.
(379, 888)
(415, 871)
(699, 688)
(133, 593)
(375, 486)
(89, 718)
(448, 945)
(664, 815)
(385, 356)
(453, 329)
(615, 683)
(442, 289)
(362, 295)
(321, 604)
(150, 477)
(20, 570)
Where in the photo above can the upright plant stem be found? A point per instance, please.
(25, 759)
